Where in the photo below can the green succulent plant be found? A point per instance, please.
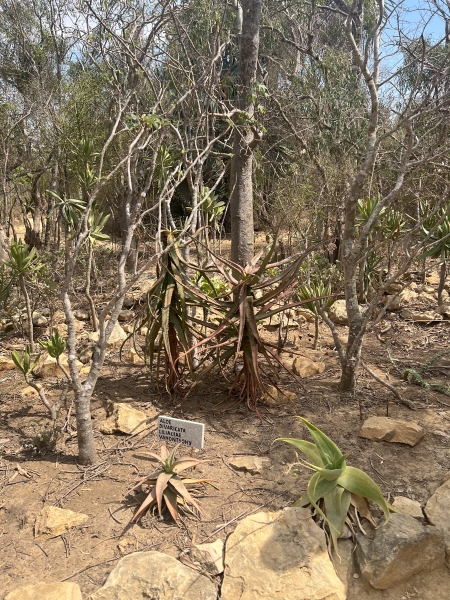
(335, 486)
(167, 487)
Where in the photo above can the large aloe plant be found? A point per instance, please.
(335, 486)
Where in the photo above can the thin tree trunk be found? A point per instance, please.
(94, 320)
(242, 232)
(442, 275)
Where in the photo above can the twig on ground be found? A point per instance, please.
(390, 387)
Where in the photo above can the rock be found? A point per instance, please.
(343, 564)
(53, 521)
(157, 576)
(419, 316)
(126, 315)
(209, 556)
(250, 464)
(391, 430)
(394, 288)
(338, 313)
(28, 392)
(134, 357)
(48, 367)
(58, 317)
(444, 310)
(45, 312)
(8, 327)
(409, 507)
(62, 328)
(39, 320)
(392, 302)
(433, 279)
(128, 328)
(127, 545)
(437, 511)
(273, 397)
(279, 556)
(47, 591)
(305, 313)
(408, 296)
(124, 419)
(398, 551)
(116, 339)
(143, 330)
(7, 363)
(305, 367)
(81, 315)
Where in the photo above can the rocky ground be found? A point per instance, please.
(254, 475)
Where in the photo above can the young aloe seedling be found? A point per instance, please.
(336, 487)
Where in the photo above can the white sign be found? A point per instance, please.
(189, 433)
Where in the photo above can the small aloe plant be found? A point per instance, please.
(55, 347)
(335, 486)
(167, 485)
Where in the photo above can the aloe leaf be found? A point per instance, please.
(336, 504)
(358, 482)
(161, 484)
(17, 360)
(148, 503)
(327, 448)
(171, 502)
(318, 487)
(180, 488)
(328, 474)
(307, 448)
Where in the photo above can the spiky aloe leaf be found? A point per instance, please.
(180, 489)
(171, 498)
(148, 503)
(161, 485)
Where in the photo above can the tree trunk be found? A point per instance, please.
(442, 277)
(241, 180)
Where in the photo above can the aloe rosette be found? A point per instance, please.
(335, 486)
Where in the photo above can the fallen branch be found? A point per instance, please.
(390, 387)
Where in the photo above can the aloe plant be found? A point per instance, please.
(24, 263)
(167, 487)
(438, 248)
(335, 488)
(55, 347)
(308, 293)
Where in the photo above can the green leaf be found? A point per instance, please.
(328, 450)
(307, 448)
(336, 504)
(358, 482)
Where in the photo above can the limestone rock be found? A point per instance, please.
(47, 591)
(408, 296)
(392, 302)
(421, 316)
(7, 363)
(128, 328)
(338, 313)
(28, 392)
(39, 320)
(279, 556)
(444, 310)
(209, 556)
(343, 564)
(53, 521)
(58, 317)
(250, 464)
(394, 288)
(62, 328)
(273, 397)
(391, 430)
(406, 506)
(398, 551)
(116, 339)
(134, 357)
(433, 279)
(81, 315)
(305, 367)
(124, 419)
(305, 313)
(437, 511)
(154, 575)
(48, 367)
(126, 315)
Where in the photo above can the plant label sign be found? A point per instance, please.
(188, 433)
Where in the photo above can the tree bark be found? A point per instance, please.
(241, 177)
